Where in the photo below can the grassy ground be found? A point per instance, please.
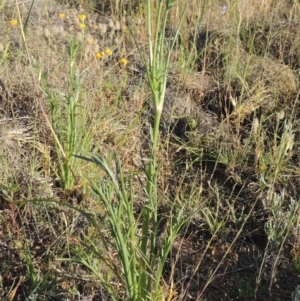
(72, 81)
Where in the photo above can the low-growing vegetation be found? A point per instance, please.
(149, 150)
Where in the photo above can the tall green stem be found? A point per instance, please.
(157, 68)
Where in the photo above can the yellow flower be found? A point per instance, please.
(108, 51)
(13, 22)
(82, 17)
(99, 55)
(90, 41)
(81, 25)
(123, 61)
(61, 15)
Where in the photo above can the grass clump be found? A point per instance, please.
(136, 239)
(64, 119)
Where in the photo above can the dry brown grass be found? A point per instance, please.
(233, 74)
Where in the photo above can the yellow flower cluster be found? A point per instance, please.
(101, 54)
(108, 52)
(81, 18)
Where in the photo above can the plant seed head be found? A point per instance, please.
(110, 24)
(117, 25)
(102, 28)
(255, 125)
(280, 115)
